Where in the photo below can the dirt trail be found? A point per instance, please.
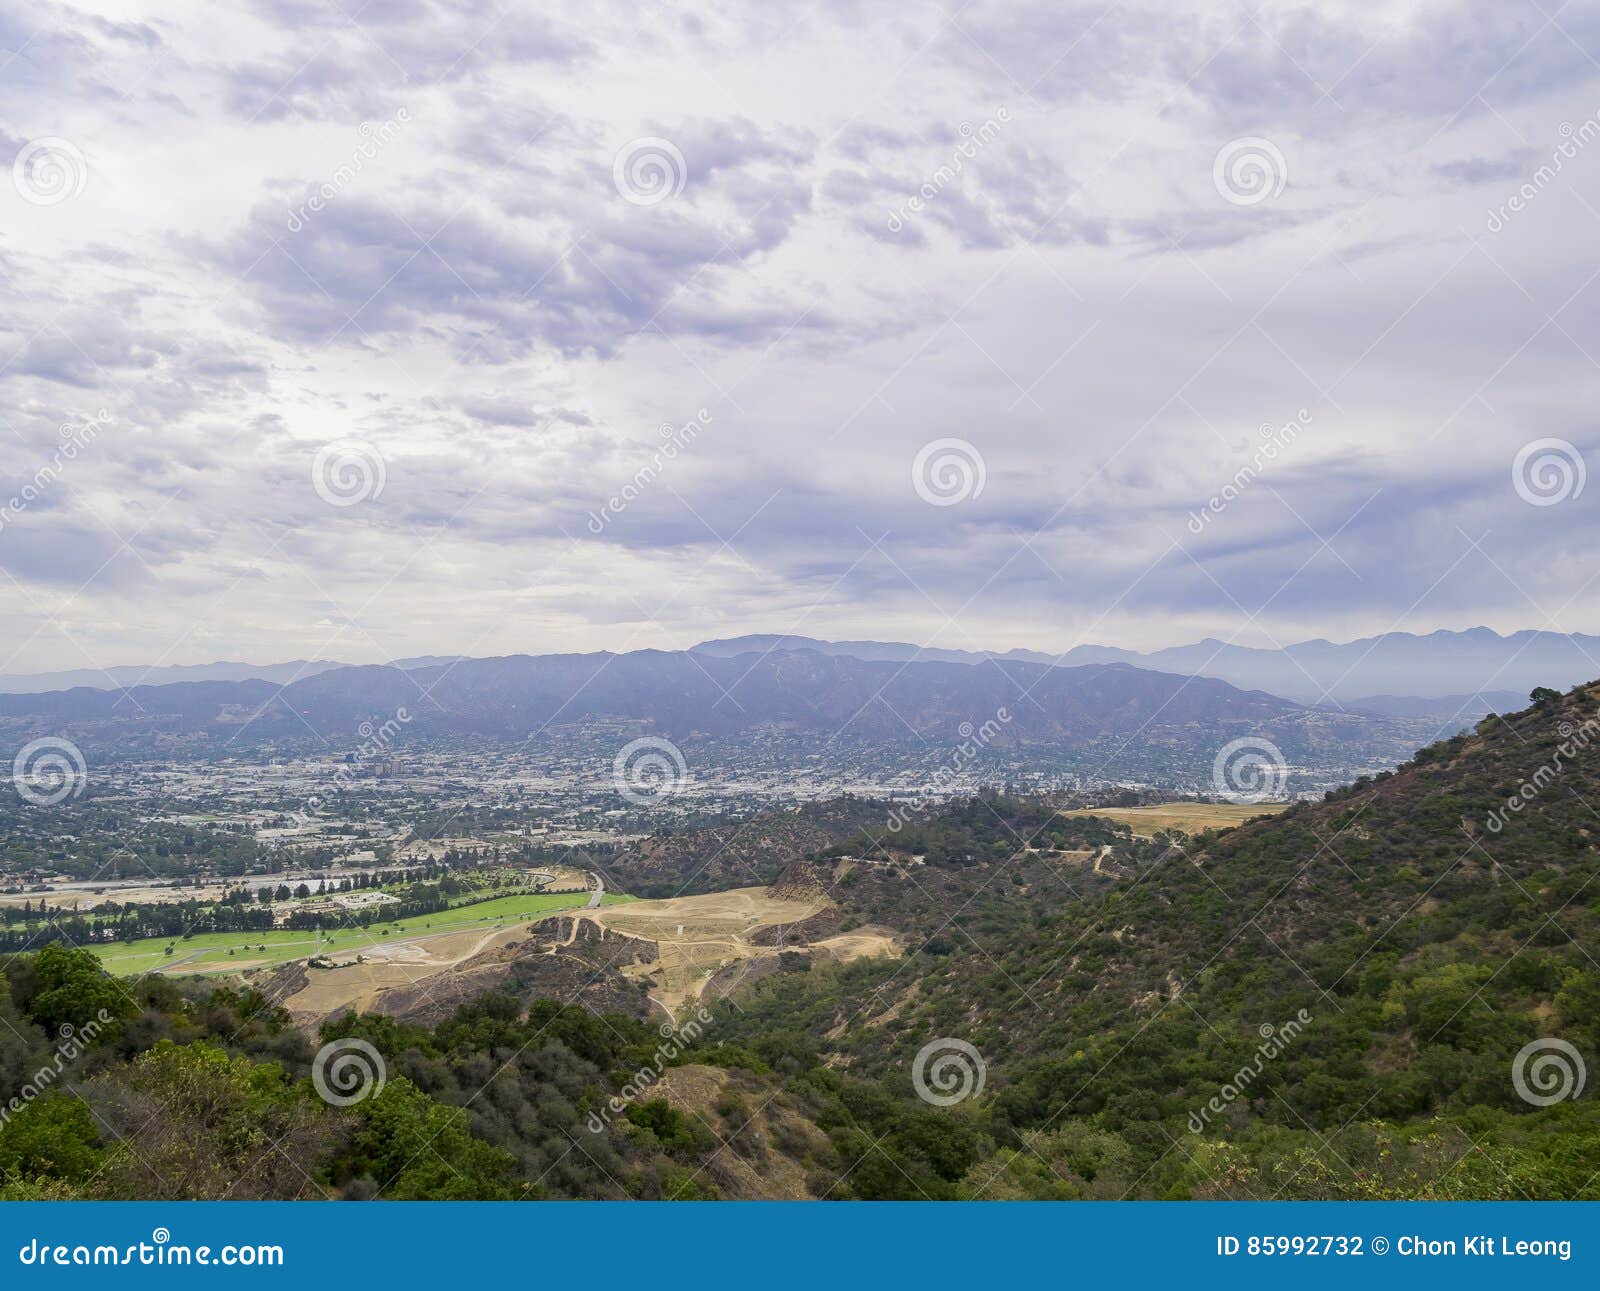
(698, 937)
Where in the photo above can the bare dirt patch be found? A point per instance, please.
(861, 943)
(701, 937)
(360, 976)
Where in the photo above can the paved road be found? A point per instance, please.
(599, 890)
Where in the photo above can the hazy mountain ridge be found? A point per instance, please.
(1462, 710)
(1477, 664)
(122, 677)
(1441, 675)
(682, 696)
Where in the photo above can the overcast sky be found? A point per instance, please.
(334, 331)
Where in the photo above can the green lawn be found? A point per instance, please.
(208, 951)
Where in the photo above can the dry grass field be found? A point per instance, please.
(697, 936)
(355, 982)
(1187, 817)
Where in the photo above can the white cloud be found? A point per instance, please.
(400, 225)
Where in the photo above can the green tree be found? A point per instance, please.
(51, 1137)
(414, 1149)
(73, 990)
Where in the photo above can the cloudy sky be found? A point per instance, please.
(372, 330)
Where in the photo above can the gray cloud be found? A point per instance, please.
(475, 302)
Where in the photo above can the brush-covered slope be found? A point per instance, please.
(1425, 949)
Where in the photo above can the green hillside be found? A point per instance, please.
(1425, 947)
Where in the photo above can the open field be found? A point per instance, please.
(696, 937)
(85, 894)
(360, 976)
(209, 952)
(1189, 817)
(699, 936)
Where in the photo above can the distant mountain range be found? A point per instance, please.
(1451, 679)
(1478, 669)
(119, 678)
(687, 696)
